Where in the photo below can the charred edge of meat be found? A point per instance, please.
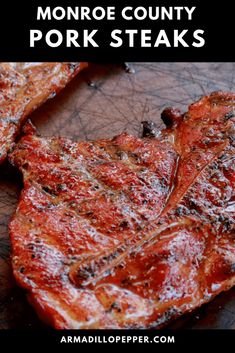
(128, 68)
(229, 115)
(73, 66)
(149, 129)
(171, 117)
(222, 98)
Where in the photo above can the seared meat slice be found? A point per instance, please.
(128, 232)
(24, 87)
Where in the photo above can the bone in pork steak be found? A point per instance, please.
(128, 232)
(23, 88)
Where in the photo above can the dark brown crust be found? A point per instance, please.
(23, 88)
(128, 232)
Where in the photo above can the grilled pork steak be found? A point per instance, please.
(25, 86)
(128, 232)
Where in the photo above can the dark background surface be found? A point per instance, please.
(101, 102)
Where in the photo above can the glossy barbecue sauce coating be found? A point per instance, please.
(128, 232)
(23, 88)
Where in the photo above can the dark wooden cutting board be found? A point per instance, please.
(103, 101)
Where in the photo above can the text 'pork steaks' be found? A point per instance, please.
(23, 88)
(128, 232)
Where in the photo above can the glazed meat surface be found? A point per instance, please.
(23, 88)
(128, 232)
